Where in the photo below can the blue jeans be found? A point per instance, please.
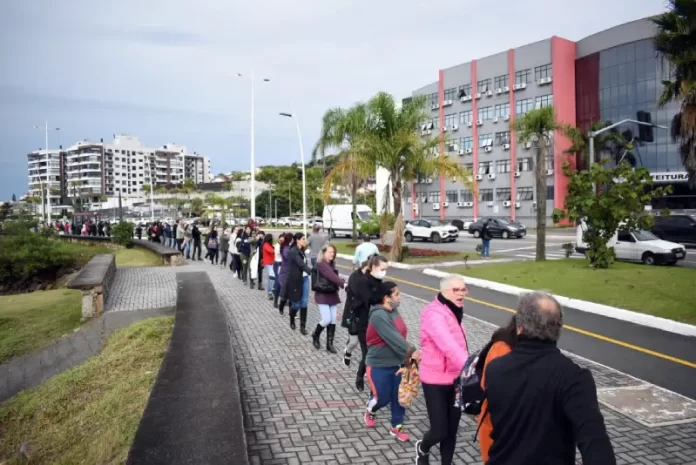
(269, 278)
(305, 295)
(276, 281)
(486, 248)
(384, 384)
(328, 314)
(188, 249)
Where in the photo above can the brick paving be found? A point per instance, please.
(142, 288)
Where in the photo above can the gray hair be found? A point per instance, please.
(447, 282)
(540, 316)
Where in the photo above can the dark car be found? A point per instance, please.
(676, 228)
(498, 228)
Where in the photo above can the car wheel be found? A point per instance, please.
(505, 235)
(477, 234)
(435, 237)
(648, 258)
(408, 236)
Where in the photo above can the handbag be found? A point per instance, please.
(320, 284)
(410, 383)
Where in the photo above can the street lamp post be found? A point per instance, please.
(46, 213)
(152, 184)
(304, 179)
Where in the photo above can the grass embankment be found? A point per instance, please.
(124, 257)
(89, 414)
(667, 292)
(31, 321)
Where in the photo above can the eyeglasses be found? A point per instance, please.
(460, 290)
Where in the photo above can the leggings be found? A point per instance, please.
(384, 384)
(223, 257)
(352, 343)
(362, 338)
(444, 420)
(328, 315)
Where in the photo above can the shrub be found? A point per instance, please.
(370, 227)
(123, 233)
(568, 248)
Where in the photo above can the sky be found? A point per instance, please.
(166, 70)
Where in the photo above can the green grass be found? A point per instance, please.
(136, 257)
(345, 248)
(668, 292)
(89, 414)
(31, 321)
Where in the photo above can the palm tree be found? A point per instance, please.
(676, 41)
(608, 142)
(538, 126)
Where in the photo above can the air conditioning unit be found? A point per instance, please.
(549, 172)
(445, 204)
(506, 146)
(460, 204)
(479, 177)
(436, 206)
(408, 199)
(428, 181)
(518, 205)
(495, 120)
(528, 145)
(488, 149)
(469, 124)
(499, 90)
(542, 81)
(489, 93)
(455, 127)
(516, 174)
(423, 133)
(444, 128)
(506, 89)
(434, 106)
(468, 204)
(490, 204)
(447, 103)
(491, 176)
(520, 86)
(478, 95)
(479, 123)
(507, 204)
(469, 151)
(466, 98)
(507, 118)
(461, 152)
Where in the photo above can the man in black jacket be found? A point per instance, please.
(196, 237)
(541, 403)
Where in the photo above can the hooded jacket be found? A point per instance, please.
(386, 339)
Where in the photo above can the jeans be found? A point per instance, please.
(213, 254)
(305, 295)
(269, 278)
(179, 244)
(187, 248)
(196, 246)
(486, 248)
(328, 315)
(244, 266)
(276, 281)
(444, 420)
(384, 384)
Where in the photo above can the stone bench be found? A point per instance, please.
(94, 281)
(171, 257)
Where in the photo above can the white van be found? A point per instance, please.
(338, 219)
(637, 246)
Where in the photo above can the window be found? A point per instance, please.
(466, 143)
(542, 72)
(450, 120)
(501, 81)
(625, 236)
(502, 138)
(452, 196)
(465, 196)
(524, 164)
(450, 93)
(486, 195)
(433, 99)
(525, 193)
(483, 86)
(522, 77)
(523, 106)
(549, 163)
(434, 196)
(464, 91)
(485, 113)
(549, 192)
(544, 101)
(469, 167)
(465, 117)
(502, 194)
(502, 166)
(502, 110)
(484, 167)
(485, 140)
(436, 122)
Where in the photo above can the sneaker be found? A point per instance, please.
(421, 457)
(346, 358)
(369, 418)
(399, 434)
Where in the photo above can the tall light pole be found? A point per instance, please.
(304, 178)
(152, 184)
(47, 208)
(252, 188)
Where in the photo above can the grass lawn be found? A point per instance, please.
(89, 414)
(344, 247)
(31, 321)
(668, 292)
(136, 257)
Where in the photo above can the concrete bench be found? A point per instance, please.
(171, 257)
(94, 280)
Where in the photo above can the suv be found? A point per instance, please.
(433, 230)
(498, 228)
(676, 228)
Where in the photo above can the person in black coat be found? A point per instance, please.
(541, 403)
(196, 238)
(296, 286)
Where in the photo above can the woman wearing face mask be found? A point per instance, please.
(297, 282)
(363, 288)
(387, 351)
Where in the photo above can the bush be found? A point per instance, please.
(123, 233)
(370, 228)
(568, 248)
(27, 256)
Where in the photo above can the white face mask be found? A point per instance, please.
(379, 274)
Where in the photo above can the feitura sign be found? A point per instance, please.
(668, 177)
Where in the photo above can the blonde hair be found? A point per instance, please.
(325, 247)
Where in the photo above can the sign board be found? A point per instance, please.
(669, 177)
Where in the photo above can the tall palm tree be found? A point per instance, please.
(676, 41)
(538, 126)
(608, 143)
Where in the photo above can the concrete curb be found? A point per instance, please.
(582, 305)
(400, 266)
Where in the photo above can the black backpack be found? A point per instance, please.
(469, 393)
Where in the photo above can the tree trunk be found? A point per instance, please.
(397, 253)
(354, 202)
(540, 176)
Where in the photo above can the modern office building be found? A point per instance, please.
(609, 76)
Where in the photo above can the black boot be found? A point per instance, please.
(303, 321)
(260, 285)
(281, 307)
(292, 312)
(316, 335)
(275, 301)
(330, 333)
(251, 284)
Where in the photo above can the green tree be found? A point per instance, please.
(676, 41)
(619, 199)
(5, 211)
(608, 143)
(197, 206)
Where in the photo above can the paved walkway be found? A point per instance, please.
(301, 406)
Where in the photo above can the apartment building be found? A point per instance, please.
(197, 168)
(44, 168)
(610, 76)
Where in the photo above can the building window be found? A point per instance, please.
(433, 99)
(525, 193)
(465, 195)
(502, 194)
(450, 120)
(464, 91)
(466, 142)
(524, 164)
(541, 72)
(465, 117)
(549, 193)
(544, 101)
(502, 138)
(485, 140)
(435, 122)
(450, 93)
(502, 110)
(523, 106)
(434, 196)
(486, 195)
(483, 86)
(523, 77)
(549, 163)
(501, 81)
(485, 167)
(485, 113)
(502, 166)
(451, 196)
(469, 167)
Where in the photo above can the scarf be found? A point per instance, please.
(458, 311)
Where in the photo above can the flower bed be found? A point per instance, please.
(415, 253)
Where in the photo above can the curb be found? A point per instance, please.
(400, 266)
(582, 305)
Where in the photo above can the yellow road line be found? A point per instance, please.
(570, 328)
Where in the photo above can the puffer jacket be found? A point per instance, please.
(443, 344)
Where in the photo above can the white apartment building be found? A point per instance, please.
(197, 168)
(44, 173)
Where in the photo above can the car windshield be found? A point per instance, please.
(642, 235)
(438, 223)
(503, 223)
(365, 215)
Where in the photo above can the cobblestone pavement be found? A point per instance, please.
(301, 406)
(142, 288)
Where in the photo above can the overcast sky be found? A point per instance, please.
(165, 70)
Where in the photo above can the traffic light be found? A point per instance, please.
(645, 133)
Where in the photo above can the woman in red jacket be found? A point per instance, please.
(267, 259)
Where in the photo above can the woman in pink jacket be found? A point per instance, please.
(443, 354)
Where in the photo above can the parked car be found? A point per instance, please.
(431, 230)
(291, 222)
(676, 228)
(462, 225)
(498, 228)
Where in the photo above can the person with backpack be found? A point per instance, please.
(212, 244)
(325, 283)
(443, 355)
(224, 247)
(245, 253)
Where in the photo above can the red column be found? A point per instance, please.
(513, 136)
(474, 117)
(441, 99)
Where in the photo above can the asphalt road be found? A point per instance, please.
(661, 358)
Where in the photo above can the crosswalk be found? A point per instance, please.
(551, 256)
